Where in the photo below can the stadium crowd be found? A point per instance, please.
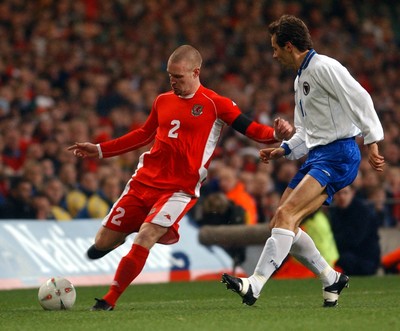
(88, 70)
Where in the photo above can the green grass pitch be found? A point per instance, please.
(370, 303)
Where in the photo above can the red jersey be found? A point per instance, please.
(186, 133)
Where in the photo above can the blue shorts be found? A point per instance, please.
(334, 165)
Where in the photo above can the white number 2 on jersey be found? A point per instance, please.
(175, 126)
(121, 212)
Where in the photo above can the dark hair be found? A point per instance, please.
(291, 29)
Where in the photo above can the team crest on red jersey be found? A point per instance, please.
(197, 110)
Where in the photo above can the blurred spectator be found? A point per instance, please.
(68, 174)
(370, 179)
(47, 168)
(55, 191)
(42, 206)
(250, 157)
(13, 155)
(284, 172)
(355, 228)
(271, 202)
(377, 197)
(33, 172)
(393, 191)
(263, 185)
(391, 153)
(99, 204)
(211, 184)
(235, 191)
(77, 199)
(34, 152)
(217, 209)
(78, 130)
(18, 204)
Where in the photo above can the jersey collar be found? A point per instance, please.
(306, 61)
(189, 96)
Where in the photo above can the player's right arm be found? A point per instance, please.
(295, 147)
(132, 140)
(292, 149)
(84, 150)
(126, 143)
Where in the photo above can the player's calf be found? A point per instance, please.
(94, 253)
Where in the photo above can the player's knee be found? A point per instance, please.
(149, 234)
(283, 218)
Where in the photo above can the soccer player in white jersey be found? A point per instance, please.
(331, 109)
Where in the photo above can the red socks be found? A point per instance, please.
(128, 269)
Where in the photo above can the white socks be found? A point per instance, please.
(278, 246)
(304, 250)
(275, 251)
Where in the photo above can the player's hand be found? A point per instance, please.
(283, 129)
(267, 154)
(83, 150)
(376, 160)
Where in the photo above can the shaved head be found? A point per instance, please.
(188, 54)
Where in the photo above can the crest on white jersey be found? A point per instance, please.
(197, 110)
(306, 88)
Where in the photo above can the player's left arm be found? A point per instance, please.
(230, 113)
(376, 161)
(263, 133)
(353, 98)
(359, 106)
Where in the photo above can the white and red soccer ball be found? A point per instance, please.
(57, 293)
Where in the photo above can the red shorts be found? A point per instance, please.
(139, 203)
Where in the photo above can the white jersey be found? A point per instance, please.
(330, 105)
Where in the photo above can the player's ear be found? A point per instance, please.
(289, 46)
(196, 72)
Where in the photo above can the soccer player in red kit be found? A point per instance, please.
(185, 125)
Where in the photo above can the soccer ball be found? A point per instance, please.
(57, 293)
